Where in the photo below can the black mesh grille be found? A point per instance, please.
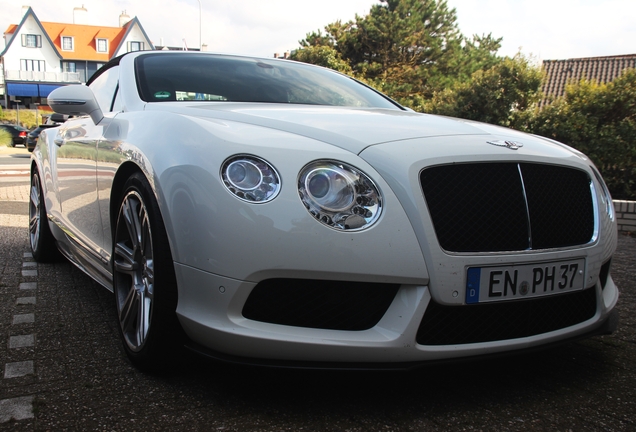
(450, 325)
(333, 305)
(482, 207)
(477, 207)
(560, 205)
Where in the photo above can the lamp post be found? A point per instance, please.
(17, 112)
(200, 46)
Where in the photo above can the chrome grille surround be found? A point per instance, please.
(504, 207)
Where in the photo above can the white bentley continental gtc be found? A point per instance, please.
(272, 212)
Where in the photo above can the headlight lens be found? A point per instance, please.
(339, 195)
(250, 178)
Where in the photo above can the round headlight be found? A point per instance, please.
(330, 188)
(339, 195)
(244, 174)
(250, 178)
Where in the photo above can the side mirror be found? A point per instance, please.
(75, 100)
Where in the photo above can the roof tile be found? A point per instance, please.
(559, 73)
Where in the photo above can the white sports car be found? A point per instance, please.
(274, 212)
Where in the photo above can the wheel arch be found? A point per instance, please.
(124, 172)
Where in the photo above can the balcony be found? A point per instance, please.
(60, 77)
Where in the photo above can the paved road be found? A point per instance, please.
(63, 369)
(14, 163)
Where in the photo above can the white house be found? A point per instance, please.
(41, 56)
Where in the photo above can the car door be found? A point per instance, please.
(76, 160)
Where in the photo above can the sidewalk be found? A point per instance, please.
(4, 150)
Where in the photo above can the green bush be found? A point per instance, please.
(497, 95)
(600, 121)
(5, 138)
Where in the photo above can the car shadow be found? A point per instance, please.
(441, 388)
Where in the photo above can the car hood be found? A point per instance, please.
(353, 129)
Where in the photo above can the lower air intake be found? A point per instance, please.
(454, 325)
(332, 305)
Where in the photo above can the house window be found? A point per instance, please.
(67, 43)
(33, 65)
(135, 46)
(102, 45)
(31, 41)
(69, 66)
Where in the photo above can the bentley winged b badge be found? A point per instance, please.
(512, 145)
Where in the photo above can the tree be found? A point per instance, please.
(398, 33)
(406, 48)
(322, 55)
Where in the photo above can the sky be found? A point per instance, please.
(542, 29)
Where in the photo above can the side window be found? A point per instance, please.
(104, 88)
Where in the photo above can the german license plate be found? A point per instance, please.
(490, 284)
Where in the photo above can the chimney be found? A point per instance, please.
(123, 19)
(204, 47)
(80, 15)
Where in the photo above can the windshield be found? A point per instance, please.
(202, 77)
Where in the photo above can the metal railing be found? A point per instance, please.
(20, 75)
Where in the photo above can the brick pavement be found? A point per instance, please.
(14, 193)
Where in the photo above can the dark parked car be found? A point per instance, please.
(53, 121)
(18, 133)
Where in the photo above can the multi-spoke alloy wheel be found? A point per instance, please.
(144, 281)
(134, 269)
(40, 237)
(34, 212)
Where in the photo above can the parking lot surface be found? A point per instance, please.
(62, 368)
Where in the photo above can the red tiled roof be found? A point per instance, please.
(11, 29)
(559, 73)
(84, 40)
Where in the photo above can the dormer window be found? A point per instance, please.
(135, 46)
(32, 41)
(102, 45)
(67, 43)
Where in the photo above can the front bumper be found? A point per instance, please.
(210, 311)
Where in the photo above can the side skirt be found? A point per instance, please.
(82, 258)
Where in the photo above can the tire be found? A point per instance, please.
(144, 281)
(40, 237)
